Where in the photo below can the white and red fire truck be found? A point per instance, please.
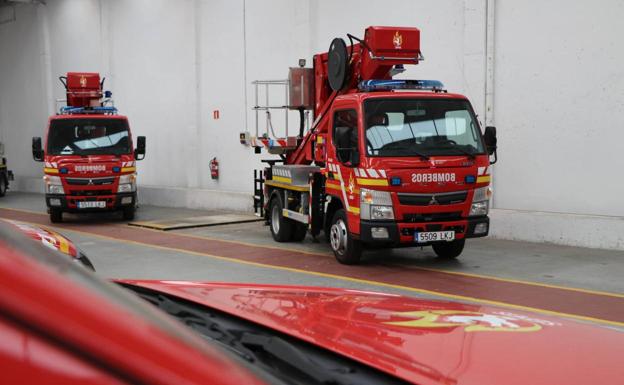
(385, 163)
(89, 156)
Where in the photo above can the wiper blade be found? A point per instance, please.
(456, 146)
(406, 150)
(290, 355)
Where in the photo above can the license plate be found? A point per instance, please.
(92, 205)
(434, 236)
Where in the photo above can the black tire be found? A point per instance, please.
(3, 185)
(281, 228)
(449, 250)
(300, 232)
(56, 216)
(128, 213)
(347, 250)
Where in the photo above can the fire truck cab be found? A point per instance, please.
(386, 163)
(88, 153)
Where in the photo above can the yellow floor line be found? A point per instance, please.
(358, 280)
(512, 280)
(329, 254)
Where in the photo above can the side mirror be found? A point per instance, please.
(37, 149)
(490, 141)
(139, 151)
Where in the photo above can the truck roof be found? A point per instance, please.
(87, 116)
(361, 96)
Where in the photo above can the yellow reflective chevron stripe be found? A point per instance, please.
(282, 179)
(372, 182)
(49, 170)
(128, 169)
(483, 179)
(332, 186)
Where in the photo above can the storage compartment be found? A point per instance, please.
(301, 88)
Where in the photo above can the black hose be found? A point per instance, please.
(301, 121)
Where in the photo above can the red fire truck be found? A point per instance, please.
(89, 156)
(386, 162)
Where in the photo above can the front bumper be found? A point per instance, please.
(402, 234)
(70, 203)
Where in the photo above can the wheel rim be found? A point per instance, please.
(338, 237)
(275, 218)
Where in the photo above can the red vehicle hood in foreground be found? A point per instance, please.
(423, 341)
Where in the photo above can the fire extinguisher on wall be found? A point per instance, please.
(214, 168)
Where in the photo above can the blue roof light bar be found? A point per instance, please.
(88, 110)
(400, 84)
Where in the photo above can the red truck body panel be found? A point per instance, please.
(425, 342)
(126, 338)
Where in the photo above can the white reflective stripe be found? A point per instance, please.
(355, 171)
(54, 164)
(344, 193)
(47, 164)
(480, 170)
(362, 173)
(383, 173)
(487, 171)
(372, 173)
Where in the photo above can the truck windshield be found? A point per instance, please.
(421, 127)
(88, 137)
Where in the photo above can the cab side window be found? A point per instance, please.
(345, 135)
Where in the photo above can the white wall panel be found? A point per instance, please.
(559, 95)
(23, 98)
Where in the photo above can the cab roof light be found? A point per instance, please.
(400, 84)
(88, 110)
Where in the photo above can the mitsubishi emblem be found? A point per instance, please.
(433, 200)
(90, 182)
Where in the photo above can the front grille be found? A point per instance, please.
(432, 199)
(90, 193)
(90, 181)
(432, 217)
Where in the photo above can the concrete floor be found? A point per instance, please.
(536, 266)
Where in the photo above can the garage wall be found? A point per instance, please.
(558, 89)
(559, 108)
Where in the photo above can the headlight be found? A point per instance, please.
(375, 197)
(127, 183)
(375, 205)
(381, 212)
(126, 188)
(128, 178)
(480, 202)
(479, 209)
(53, 184)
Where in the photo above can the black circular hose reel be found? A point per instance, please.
(337, 64)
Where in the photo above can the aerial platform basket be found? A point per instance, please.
(85, 94)
(297, 93)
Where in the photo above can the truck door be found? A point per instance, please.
(343, 157)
